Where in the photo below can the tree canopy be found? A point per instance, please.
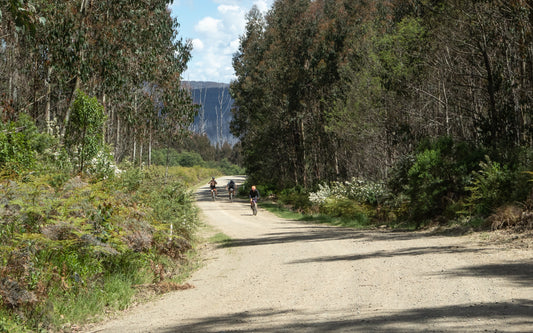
(329, 90)
(127, 54)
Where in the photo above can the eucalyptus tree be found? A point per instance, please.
(288, 81)
(250, 92)
(113, 50)
(478, 78)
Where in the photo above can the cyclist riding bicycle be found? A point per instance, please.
(230, 187)
(213, 184)
(254, 196)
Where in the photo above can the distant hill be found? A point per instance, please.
(214, 115)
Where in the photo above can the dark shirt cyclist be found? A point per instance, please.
(230, 186)
(254, 194)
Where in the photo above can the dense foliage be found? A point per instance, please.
(411, 94)
(73, 248)
(86, 85)
(126, 54)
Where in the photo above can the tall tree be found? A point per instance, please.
(127, 53)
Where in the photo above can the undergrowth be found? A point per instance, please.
(74, 248)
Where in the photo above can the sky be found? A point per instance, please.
(214, 26)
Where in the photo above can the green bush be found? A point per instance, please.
(435, 178)
(490, 187)
(171, 157)
(296, 197)
(226, 167)
(347, 209)
(427, 184)
(20, 142)
(84, 135)
(78, 249)
(354, 198)
(131, 178)
(190, 159)
(161, 156)
(102, 166)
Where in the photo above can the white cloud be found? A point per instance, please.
(234, 45)
(197, 44)
(208, 25)
(217, 39)
(225, 9)
(263, 5)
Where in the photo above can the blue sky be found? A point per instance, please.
(214, 26)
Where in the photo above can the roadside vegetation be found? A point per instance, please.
(399, 113)
(81, 236)
(93, 214)
(429, 189)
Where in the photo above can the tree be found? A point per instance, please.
(84, 136)
(125, 53)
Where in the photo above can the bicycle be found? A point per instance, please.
(231, 191)
(213, 195)
(254, 206)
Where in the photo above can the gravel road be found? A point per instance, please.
(284, 276)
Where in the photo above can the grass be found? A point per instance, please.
(222, 239)
(288, 214)
(115, 294)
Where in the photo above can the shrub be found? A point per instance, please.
(347, 209)
(131, 178)
(435, 178)
(360, 190)
(427, 184)
(296, 197)
(20, 142)
(227, 168)
(102, 166)
(489, 187)
(171, 157)
(365, 191)
(84, 136)
(357, 199)
(190, 159)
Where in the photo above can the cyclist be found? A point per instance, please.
(253, 195)
(230, 187)
(213, 184)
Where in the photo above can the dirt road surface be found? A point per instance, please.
(285, 276)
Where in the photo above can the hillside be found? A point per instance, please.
(214, 115)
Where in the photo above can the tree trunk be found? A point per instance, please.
(117, 137)
(69, 109)
(83, 7)
(47, 117)
(150, 145)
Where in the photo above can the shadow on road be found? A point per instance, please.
(460, 318)
(415, 251)
(520, 273)
(303, 234)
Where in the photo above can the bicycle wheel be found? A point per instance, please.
(254, 208)
(213, 195)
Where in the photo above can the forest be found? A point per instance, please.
(393, 110)
(126, 54)
(96, 160)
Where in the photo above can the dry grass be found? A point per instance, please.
(512, 217)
